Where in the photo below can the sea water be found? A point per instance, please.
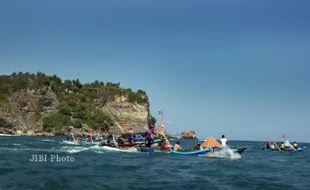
(95, 167)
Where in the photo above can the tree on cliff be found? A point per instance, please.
(77, 103)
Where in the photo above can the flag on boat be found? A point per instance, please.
(130, 129)
(174, 125)
(160, 111)
(210, 142)
(160, 127)
(288, 144)
(283, 137)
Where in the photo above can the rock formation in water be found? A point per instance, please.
(45, 105)
(188, 134)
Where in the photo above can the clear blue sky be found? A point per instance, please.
(239, 68)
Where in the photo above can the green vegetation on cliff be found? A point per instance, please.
(79, 104)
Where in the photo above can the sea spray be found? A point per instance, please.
(112, 149)
(47, 140)
(224, 153)
(70, 142)
(74, 149)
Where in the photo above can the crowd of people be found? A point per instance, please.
(147, 139)
(177, 146)
(279, 145)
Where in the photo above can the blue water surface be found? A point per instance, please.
(93, 167)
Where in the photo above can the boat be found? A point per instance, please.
(191, 152)
(271, 145)
(239, 150)
(133, 145)
(210, 142)
(291, 150)
(121, 145)
(153, 149)
(171, 150)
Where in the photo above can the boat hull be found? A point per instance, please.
(239, 150)
(152, 150)
(191, 152)
(277, 150)
(235, 150)
(121, 145)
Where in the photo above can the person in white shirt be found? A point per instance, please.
(223, 140)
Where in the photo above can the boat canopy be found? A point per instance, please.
(210, 142)
(287, 143)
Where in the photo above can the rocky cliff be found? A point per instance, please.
(44, 105)
(188, 134)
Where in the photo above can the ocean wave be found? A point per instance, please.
(70, 142)
(47, 140)
(112, 149)
(24, 149)
(73, 150)
(18, 144)
(225, 153)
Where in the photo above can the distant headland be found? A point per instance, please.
(42, 105)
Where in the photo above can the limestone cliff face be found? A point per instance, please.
(38, 104)
(128, 115)
(22, 113)
(188, 134)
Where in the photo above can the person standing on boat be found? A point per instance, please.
(130, 139)
(68, 136)
(223, 141)
(150, 137)
(282, 146)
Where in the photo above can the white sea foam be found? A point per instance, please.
(70, 142)
(18, 144)
(24, 149)
(71, 149)
(7, 135)
(225, 153)
(47, 140)
(112, 149)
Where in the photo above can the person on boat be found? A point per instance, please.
(162, 143)
(130, 140)
(267, 146)
(109, 139)
(282, 146)
(272, 146)
(121, 140)
(177, 146)
(295, 145)
(197, 147)
(68, 136)
(72, 136)
(150, 137)
(223, 140)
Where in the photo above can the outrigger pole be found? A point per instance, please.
(276, 145)
(272, 141)
(161, 112)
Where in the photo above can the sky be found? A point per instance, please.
(238, 68)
